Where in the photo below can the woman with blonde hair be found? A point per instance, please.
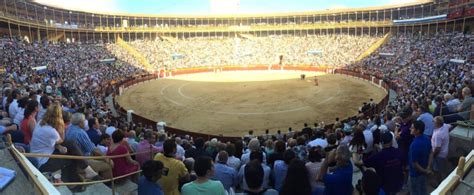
(48, 138)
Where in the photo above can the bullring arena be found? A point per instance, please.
(232, 103)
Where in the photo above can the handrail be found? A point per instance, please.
(94, 182)
(26, 168)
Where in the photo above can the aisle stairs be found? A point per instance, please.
(374, 47)
(133, 52)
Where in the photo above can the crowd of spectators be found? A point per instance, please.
(65, 112)
(317, 50)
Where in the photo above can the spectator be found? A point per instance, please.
(28, 123)
(48, 138)
(21, 110)
(104, 144)
(357, 146)
(253, 146)
(451, 102)
(255, 175)
(280, 168)
(232, 161)
(146, 148)
(13, 108)
(440, 147)
(465, 107)
(76, 133)
(307, 131)
(94, 132)
(224, 173)
(268, 146)
(266, 176)
(45, 102)
(278, 154)
(174, 170)
(297, 180)
(198, 151)
(419, 159)
(122, 165)
(131, 140)
(203, 185)
(441, 108)
(300, 149)
(340, 180)
(388, 165)
(370, 183)
(148, 183)
(314, 165)
(318, 140)
(427, 119)
(332, 143)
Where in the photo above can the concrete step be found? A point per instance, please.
(123, 188)
(93, 189)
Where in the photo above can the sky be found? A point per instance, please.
(200, 7)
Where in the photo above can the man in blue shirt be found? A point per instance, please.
(76, 133)
(280, 168)
(340, 180)
(419, 159)
(148, 183)
(427, 119)
(223, 173)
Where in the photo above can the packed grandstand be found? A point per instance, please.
(59, 77)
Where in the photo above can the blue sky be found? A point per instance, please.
(213, 6)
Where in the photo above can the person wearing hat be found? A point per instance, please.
(388, 164)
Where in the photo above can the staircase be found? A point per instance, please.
(132, 51)
(57, 37)
(170, 39)
(374, 47)
(246, 36)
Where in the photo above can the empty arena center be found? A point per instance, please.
(215, 97)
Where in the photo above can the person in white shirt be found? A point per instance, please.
(13, 108)
(48, 138)
(21, 110)
(44, 102)
(110, 129)
(440, 147)
(369, 139)
(319, 141)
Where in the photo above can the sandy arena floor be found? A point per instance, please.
(231, 103)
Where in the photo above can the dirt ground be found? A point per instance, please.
(231, 103)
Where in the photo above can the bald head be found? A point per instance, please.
(466, 92)
(222, 157)
(447, 97)
(132, 134)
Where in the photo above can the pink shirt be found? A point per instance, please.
(144, 147)
(440, 139)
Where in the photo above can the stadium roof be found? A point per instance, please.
(215, 7)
